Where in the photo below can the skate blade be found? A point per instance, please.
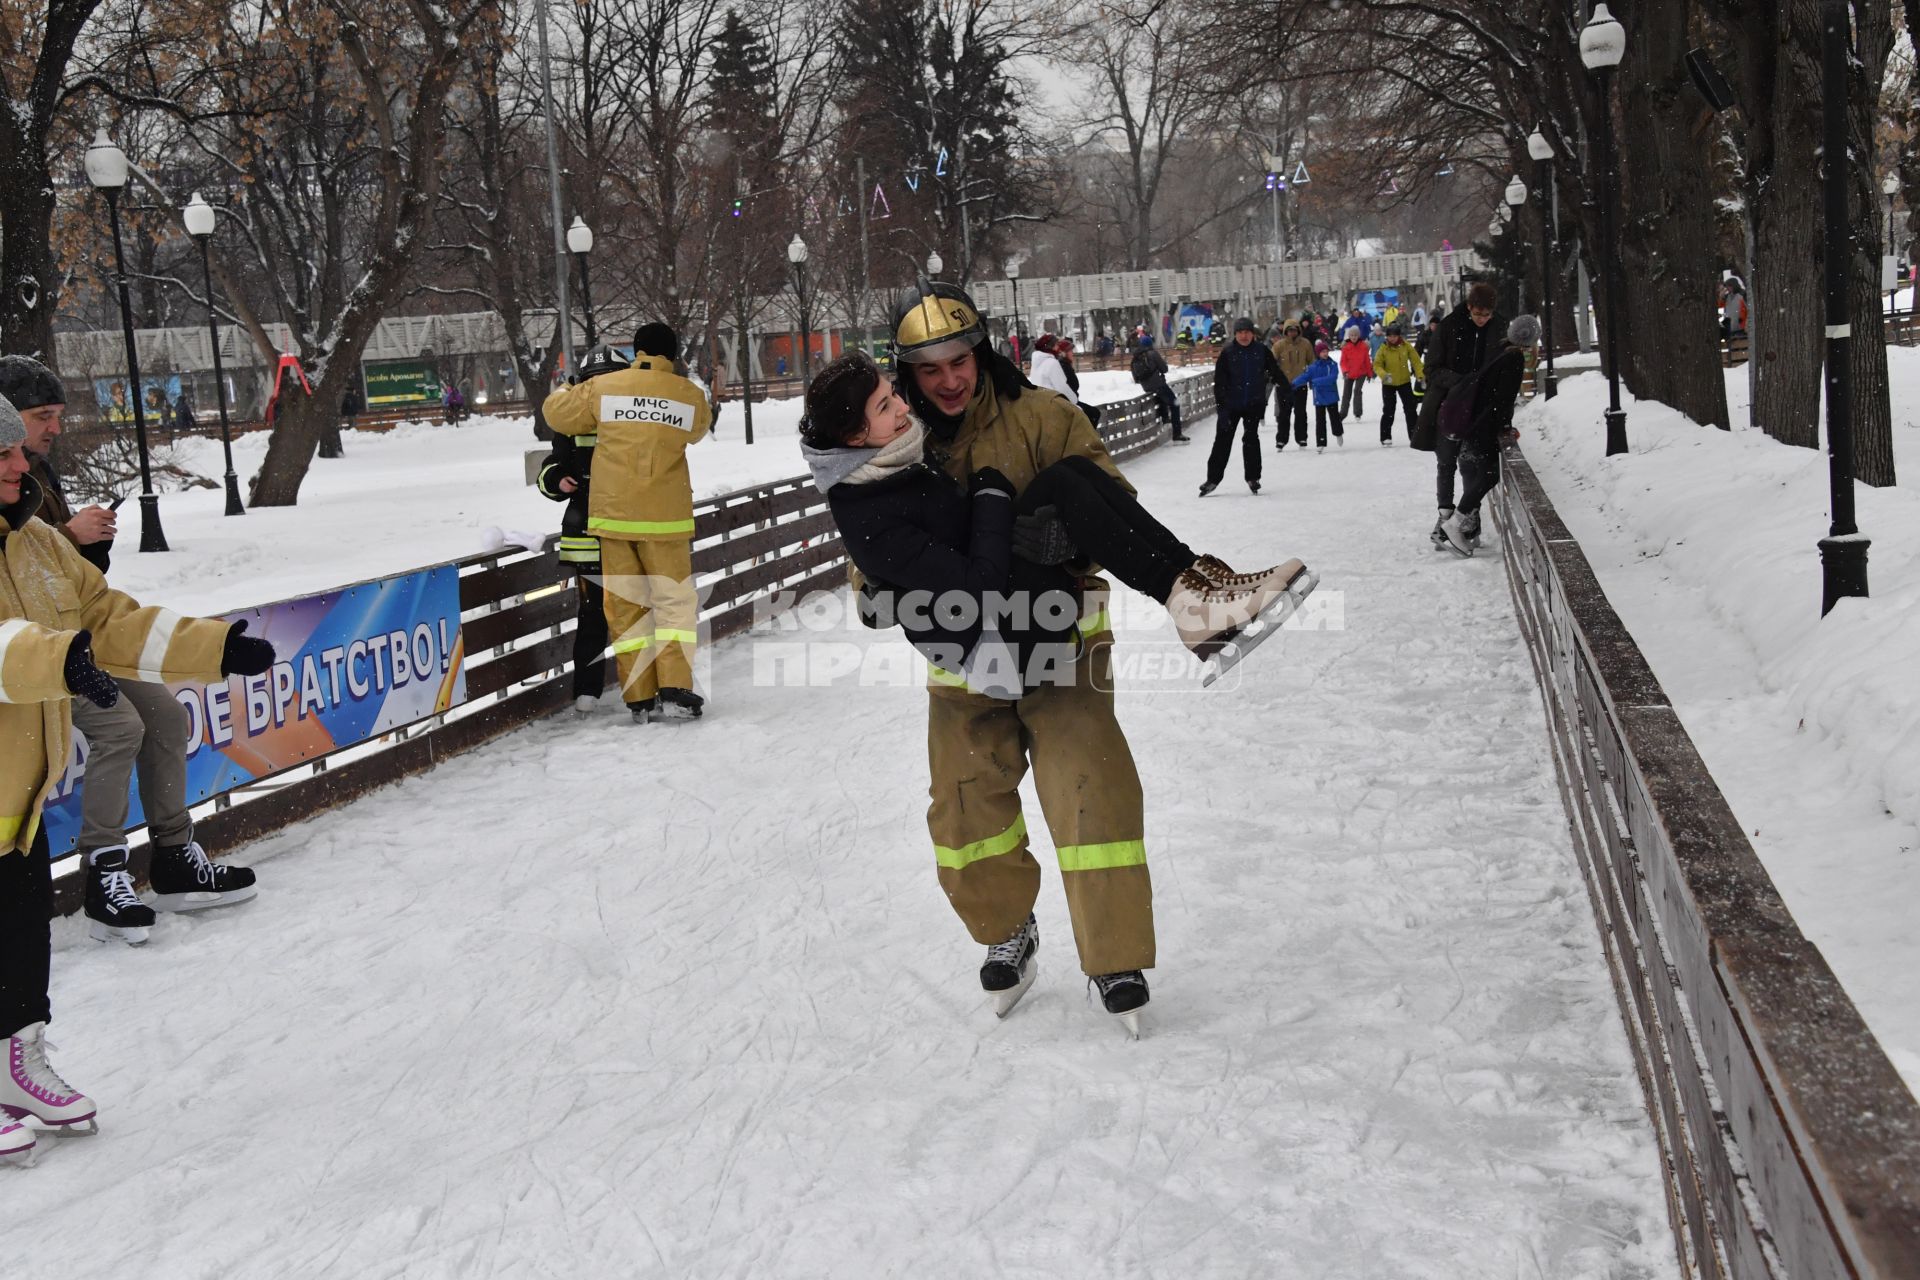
(1130, 1023)
(1462, 549)
(1003, 1001)
(1267, 622)
(132, 935)
(202, 900)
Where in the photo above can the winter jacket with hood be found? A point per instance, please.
(645, 417)
(48, 592)
(1242, 377)
(1356, 360)
(1293, 355)
(1398, 364)
(1046, 372)
(1323, 375)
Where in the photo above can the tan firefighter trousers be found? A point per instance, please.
(653, 613)
(978, 749)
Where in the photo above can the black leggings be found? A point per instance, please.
(26, 936)
(1109, 526)
(590, 635)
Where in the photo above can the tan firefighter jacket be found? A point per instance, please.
(48, 592)
(644, 417)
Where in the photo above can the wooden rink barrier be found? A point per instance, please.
(1791, 1145)
(755, 551)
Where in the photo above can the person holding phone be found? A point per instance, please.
(42, 402)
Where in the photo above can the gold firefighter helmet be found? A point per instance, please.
(935, 322)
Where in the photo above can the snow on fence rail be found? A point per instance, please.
(1791, 1145)
(754, 550)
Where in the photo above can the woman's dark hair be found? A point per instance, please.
(837, 401)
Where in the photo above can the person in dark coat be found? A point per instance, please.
(1465, 343)
(1149, 370)
(1489, 430)
(1243, 379)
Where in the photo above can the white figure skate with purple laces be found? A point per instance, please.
(31, 1089)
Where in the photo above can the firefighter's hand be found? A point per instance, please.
(568, 485)
(1042, 538)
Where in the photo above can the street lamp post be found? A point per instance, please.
(797, 255)
(198, 215)
(107, 170)
(1843, 552)
(1890, 186)
(1542, 152)
(580, 243)
(1516, 197)
(1603, 43)
(1013, 274)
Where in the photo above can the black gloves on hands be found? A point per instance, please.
(243, 655)
(1042, 538)
(987, 480)
(84, 679)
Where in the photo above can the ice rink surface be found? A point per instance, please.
(687, 1001)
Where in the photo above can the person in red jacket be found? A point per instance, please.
(1356, 362)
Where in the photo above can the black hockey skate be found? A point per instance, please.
(1011, 967)
(677, 705)
(643, 710)
(185, 879)
(1124, 995)
(114, 911)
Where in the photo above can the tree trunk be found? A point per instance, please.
(1782, 73)
(28, 271)
(1672, 351)
(1872, 410)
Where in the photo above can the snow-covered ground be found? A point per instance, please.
(595, 1000)
(1705, 542)
(420, 494)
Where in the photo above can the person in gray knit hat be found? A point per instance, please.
(36, 392)
(1489, 430)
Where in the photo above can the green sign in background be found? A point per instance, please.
(396, 382)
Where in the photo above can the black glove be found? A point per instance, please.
(987, 480)
(1042, 538)
(243, 655)
(84, 679)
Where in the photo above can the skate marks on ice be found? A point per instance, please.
(594, 1000)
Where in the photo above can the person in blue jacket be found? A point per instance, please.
(1323, 375)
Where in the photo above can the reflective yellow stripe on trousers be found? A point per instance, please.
(601, 524)
(634, 645)
(1102, 857)
(10, 828)
(993, 846)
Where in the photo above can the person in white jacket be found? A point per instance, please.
(1046, 371)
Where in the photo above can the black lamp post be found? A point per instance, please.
(107, 170)
(1843, 552)
(1013, 275)
(580, 244)
(1603, 43)
(198, 216)
(1542, 152)
(797, 255)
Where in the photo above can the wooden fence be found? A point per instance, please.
(1791, 1145)
(754, 549)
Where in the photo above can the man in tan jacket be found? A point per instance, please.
(56, 614)
(640, 506)
(1294, 353)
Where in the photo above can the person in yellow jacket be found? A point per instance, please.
(640, 506)
(980, 412)
(58, 618)
(1397, 364)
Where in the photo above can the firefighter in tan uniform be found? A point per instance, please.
(980, 412)
(57, 615)
(640, 507)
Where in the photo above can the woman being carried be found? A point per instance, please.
(944, 555)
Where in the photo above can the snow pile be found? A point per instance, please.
(1705, 542)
